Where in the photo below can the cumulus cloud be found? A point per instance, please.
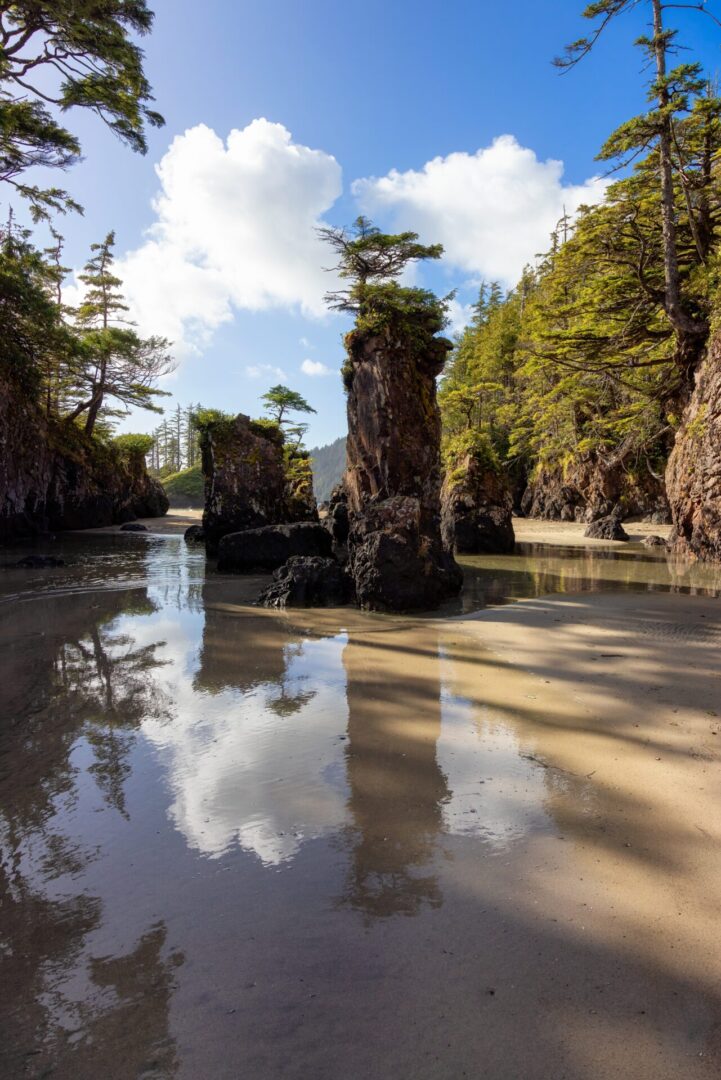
(314, 367)
(493, 210)
(235, 228)
(259, 371)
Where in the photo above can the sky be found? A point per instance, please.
(282, 116)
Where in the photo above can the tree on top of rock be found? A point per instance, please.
(369, 259)
(281, 400)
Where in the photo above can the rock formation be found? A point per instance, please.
(52, 477)
(476, 505)
(693, 476)
(393, 478)
(308, 582)
(587, 490)
(269, 547)
(247, 481)
(337, 522)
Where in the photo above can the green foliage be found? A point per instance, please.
(280, 400)
(134, 445)
(268, 429)
(69, 54)
(185, 488)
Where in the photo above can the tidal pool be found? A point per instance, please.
(239, 843)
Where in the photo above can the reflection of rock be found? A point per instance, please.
(607, 528)
(393, 480)
(476, 508)
(308, 582)
(693, 476)
(397, 789)
(269, 547)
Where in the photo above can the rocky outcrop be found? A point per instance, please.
(607, 528)
(337, 522)
(269, 547)
(308, 582)
(476, 507)
(248, 481)
(53, 477)
(587, 490)
(693, 476)
(194, 534)
(393, 478)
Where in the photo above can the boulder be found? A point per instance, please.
(194, 534)
(37, 562)
(393, 479)
(607, 528)
(308, 581)
(476, 507)
(133, 526)
(653, 541)
(271, 546)
(693, 476)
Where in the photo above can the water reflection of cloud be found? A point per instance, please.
(255, 768)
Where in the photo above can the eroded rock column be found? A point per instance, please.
(393, 480)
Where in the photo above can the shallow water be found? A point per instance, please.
(238, 843)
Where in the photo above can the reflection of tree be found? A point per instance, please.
(396, 786)
(73, 676)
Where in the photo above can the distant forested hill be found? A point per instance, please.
(328, 467)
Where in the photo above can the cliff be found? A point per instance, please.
(53, 477)
(587, 489)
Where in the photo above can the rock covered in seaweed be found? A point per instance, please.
(308, 581)
(693, 476)
(269, 547)
(476, 502)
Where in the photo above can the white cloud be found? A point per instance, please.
(459, 316)
(493, 210)
(259, 371)
(235, 228)
(314, 367)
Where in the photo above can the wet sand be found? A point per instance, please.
(328, 844)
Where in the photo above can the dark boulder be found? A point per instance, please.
(133, 526)
(37, 562)
(194, 534)
(269, 547)
(607, 528)
(308, 581)
(653, 541)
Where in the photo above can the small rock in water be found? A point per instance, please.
(34, 562)
(133, 526)
(654, 541)
(194, 534)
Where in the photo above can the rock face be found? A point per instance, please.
(247, 482)
(607, 528)
(269, 547)
(308, 582)
(52, 477)
(586, 491)
(337, 522)
(693, 476)
(476, 508)
(393, 478)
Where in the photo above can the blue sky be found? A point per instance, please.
(351, 92)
